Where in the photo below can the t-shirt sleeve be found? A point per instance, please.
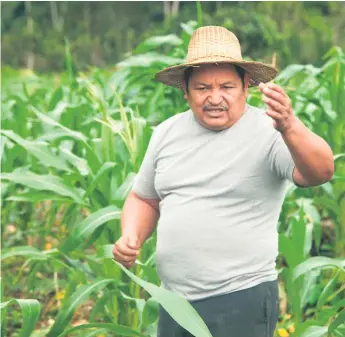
(280, 159)
(143, 184)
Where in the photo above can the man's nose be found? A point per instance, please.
(215, 97)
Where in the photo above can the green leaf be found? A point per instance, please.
(56, 97)
(30, 311)
(43, 182)
(178, 307)
(157, 41)
(36, 196)
(340, 155)
(50, 121)
(286, 249)
(79, 163)
(315, 331)
(95, 333)
(339, 331)
(38, 149)
(149, 60)
(66, 312)
(340, 319)
(40, 333)
(106, 167)
(122, 192)
(150, 312)
(89, 225)
(26, 251)
(199, 13)
(316, 262)
(119, 329)
(327, 291)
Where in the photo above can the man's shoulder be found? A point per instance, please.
(176, 120)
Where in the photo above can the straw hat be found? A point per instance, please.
(214, 44)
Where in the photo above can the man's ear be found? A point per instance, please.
(246, 84)
(185, 96)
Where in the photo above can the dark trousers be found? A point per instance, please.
(251, 312)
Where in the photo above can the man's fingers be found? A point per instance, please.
(123, 259)
(273, 114)
(123, 248)
(273, 104)
(275, 96)
(273, 87)
(128, 265)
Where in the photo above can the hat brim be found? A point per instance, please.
(258, 72)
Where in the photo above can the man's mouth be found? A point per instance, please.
(214, 112)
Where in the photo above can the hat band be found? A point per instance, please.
(213, 58)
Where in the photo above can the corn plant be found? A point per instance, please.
(70, 150)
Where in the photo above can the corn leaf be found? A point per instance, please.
(30, 311)
(65, 314)
(26, 251)
(43, 182)
(315, 331)
(40, 150)
(340, 319)
(317, 262)
(89, 225)
(178, 307)
(119, 329)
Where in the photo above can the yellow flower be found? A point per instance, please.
(283, 333)
(48, 246)
(288, 316)
(60, 295)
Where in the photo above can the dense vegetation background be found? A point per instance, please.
(101, 33)
(78, 108)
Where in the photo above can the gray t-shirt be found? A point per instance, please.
(221, 194)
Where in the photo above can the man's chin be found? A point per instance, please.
(216, 124)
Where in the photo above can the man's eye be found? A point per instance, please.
(204, 88)
(227, 87)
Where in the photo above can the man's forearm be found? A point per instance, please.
(139, 218)
(311, 154)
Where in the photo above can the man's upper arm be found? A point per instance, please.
(281, 161)
(143, 184)
(154, 203)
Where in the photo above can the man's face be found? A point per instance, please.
(216, 95)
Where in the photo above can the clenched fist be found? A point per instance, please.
(126, 250)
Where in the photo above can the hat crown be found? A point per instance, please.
(213, 41)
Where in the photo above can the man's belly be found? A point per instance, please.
(204, 252)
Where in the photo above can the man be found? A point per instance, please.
(216, 176)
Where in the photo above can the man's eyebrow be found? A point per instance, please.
(202, 83)
(227, 82)
(208, 85)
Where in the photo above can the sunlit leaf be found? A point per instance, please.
(317, 262)
(43, 182)
(178, 307)
(315, 331)
(38, 149)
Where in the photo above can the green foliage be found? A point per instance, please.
(71, 147)
(102, 34)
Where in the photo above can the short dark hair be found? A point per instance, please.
(188, 73)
